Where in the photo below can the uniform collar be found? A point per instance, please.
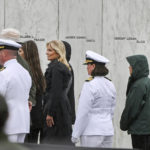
(9, 62)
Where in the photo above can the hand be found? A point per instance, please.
(49, 121)
(30, 105)
(74, 140)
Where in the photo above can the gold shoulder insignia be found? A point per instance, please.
(89, 79)
(1, 69)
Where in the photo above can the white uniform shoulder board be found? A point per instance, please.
(2, 68)
(89, 79)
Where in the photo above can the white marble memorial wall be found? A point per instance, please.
(80, 25)
(1, 14)
(113, 28)
(126, 31)
(36, 20)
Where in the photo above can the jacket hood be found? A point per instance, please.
(68, 50)
(139, 66)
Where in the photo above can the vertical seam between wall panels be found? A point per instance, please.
(58, 22)
(4, 13)
(102, 28)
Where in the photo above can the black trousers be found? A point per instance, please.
(141, 142)
(32, 137)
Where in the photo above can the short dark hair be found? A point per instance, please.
(3, 112)
(100, 70)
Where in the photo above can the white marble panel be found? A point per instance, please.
(36, 20)
(80, 25)
(114, 28)
(126, 31)
(2, 14)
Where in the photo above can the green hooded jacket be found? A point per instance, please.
(136, 114)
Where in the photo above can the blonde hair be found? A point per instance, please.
(59, 47)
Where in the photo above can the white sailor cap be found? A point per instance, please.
(9, 44)
(92, 57)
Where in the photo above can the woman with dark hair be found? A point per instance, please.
(57, 110)
(99, 70)
(93, 123)
(29, 52)
(71, 96)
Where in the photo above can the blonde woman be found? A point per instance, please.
(57, 110)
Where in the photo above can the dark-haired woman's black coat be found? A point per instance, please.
(56, 104)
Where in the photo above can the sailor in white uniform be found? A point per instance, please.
(93, 125)
(15, 84)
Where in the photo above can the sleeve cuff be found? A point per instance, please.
(74, 140)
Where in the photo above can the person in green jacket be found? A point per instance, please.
(136, 115)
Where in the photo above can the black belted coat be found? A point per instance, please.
(56, 104)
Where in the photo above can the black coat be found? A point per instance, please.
(37, 111)
(71, 90)
(36, 122)
(71, 97)
(56, 101)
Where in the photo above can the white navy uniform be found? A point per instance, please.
(15, 86)
(95, 112)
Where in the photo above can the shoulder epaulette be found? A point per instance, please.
(107, 78)
(1, 69)
(89, 79)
